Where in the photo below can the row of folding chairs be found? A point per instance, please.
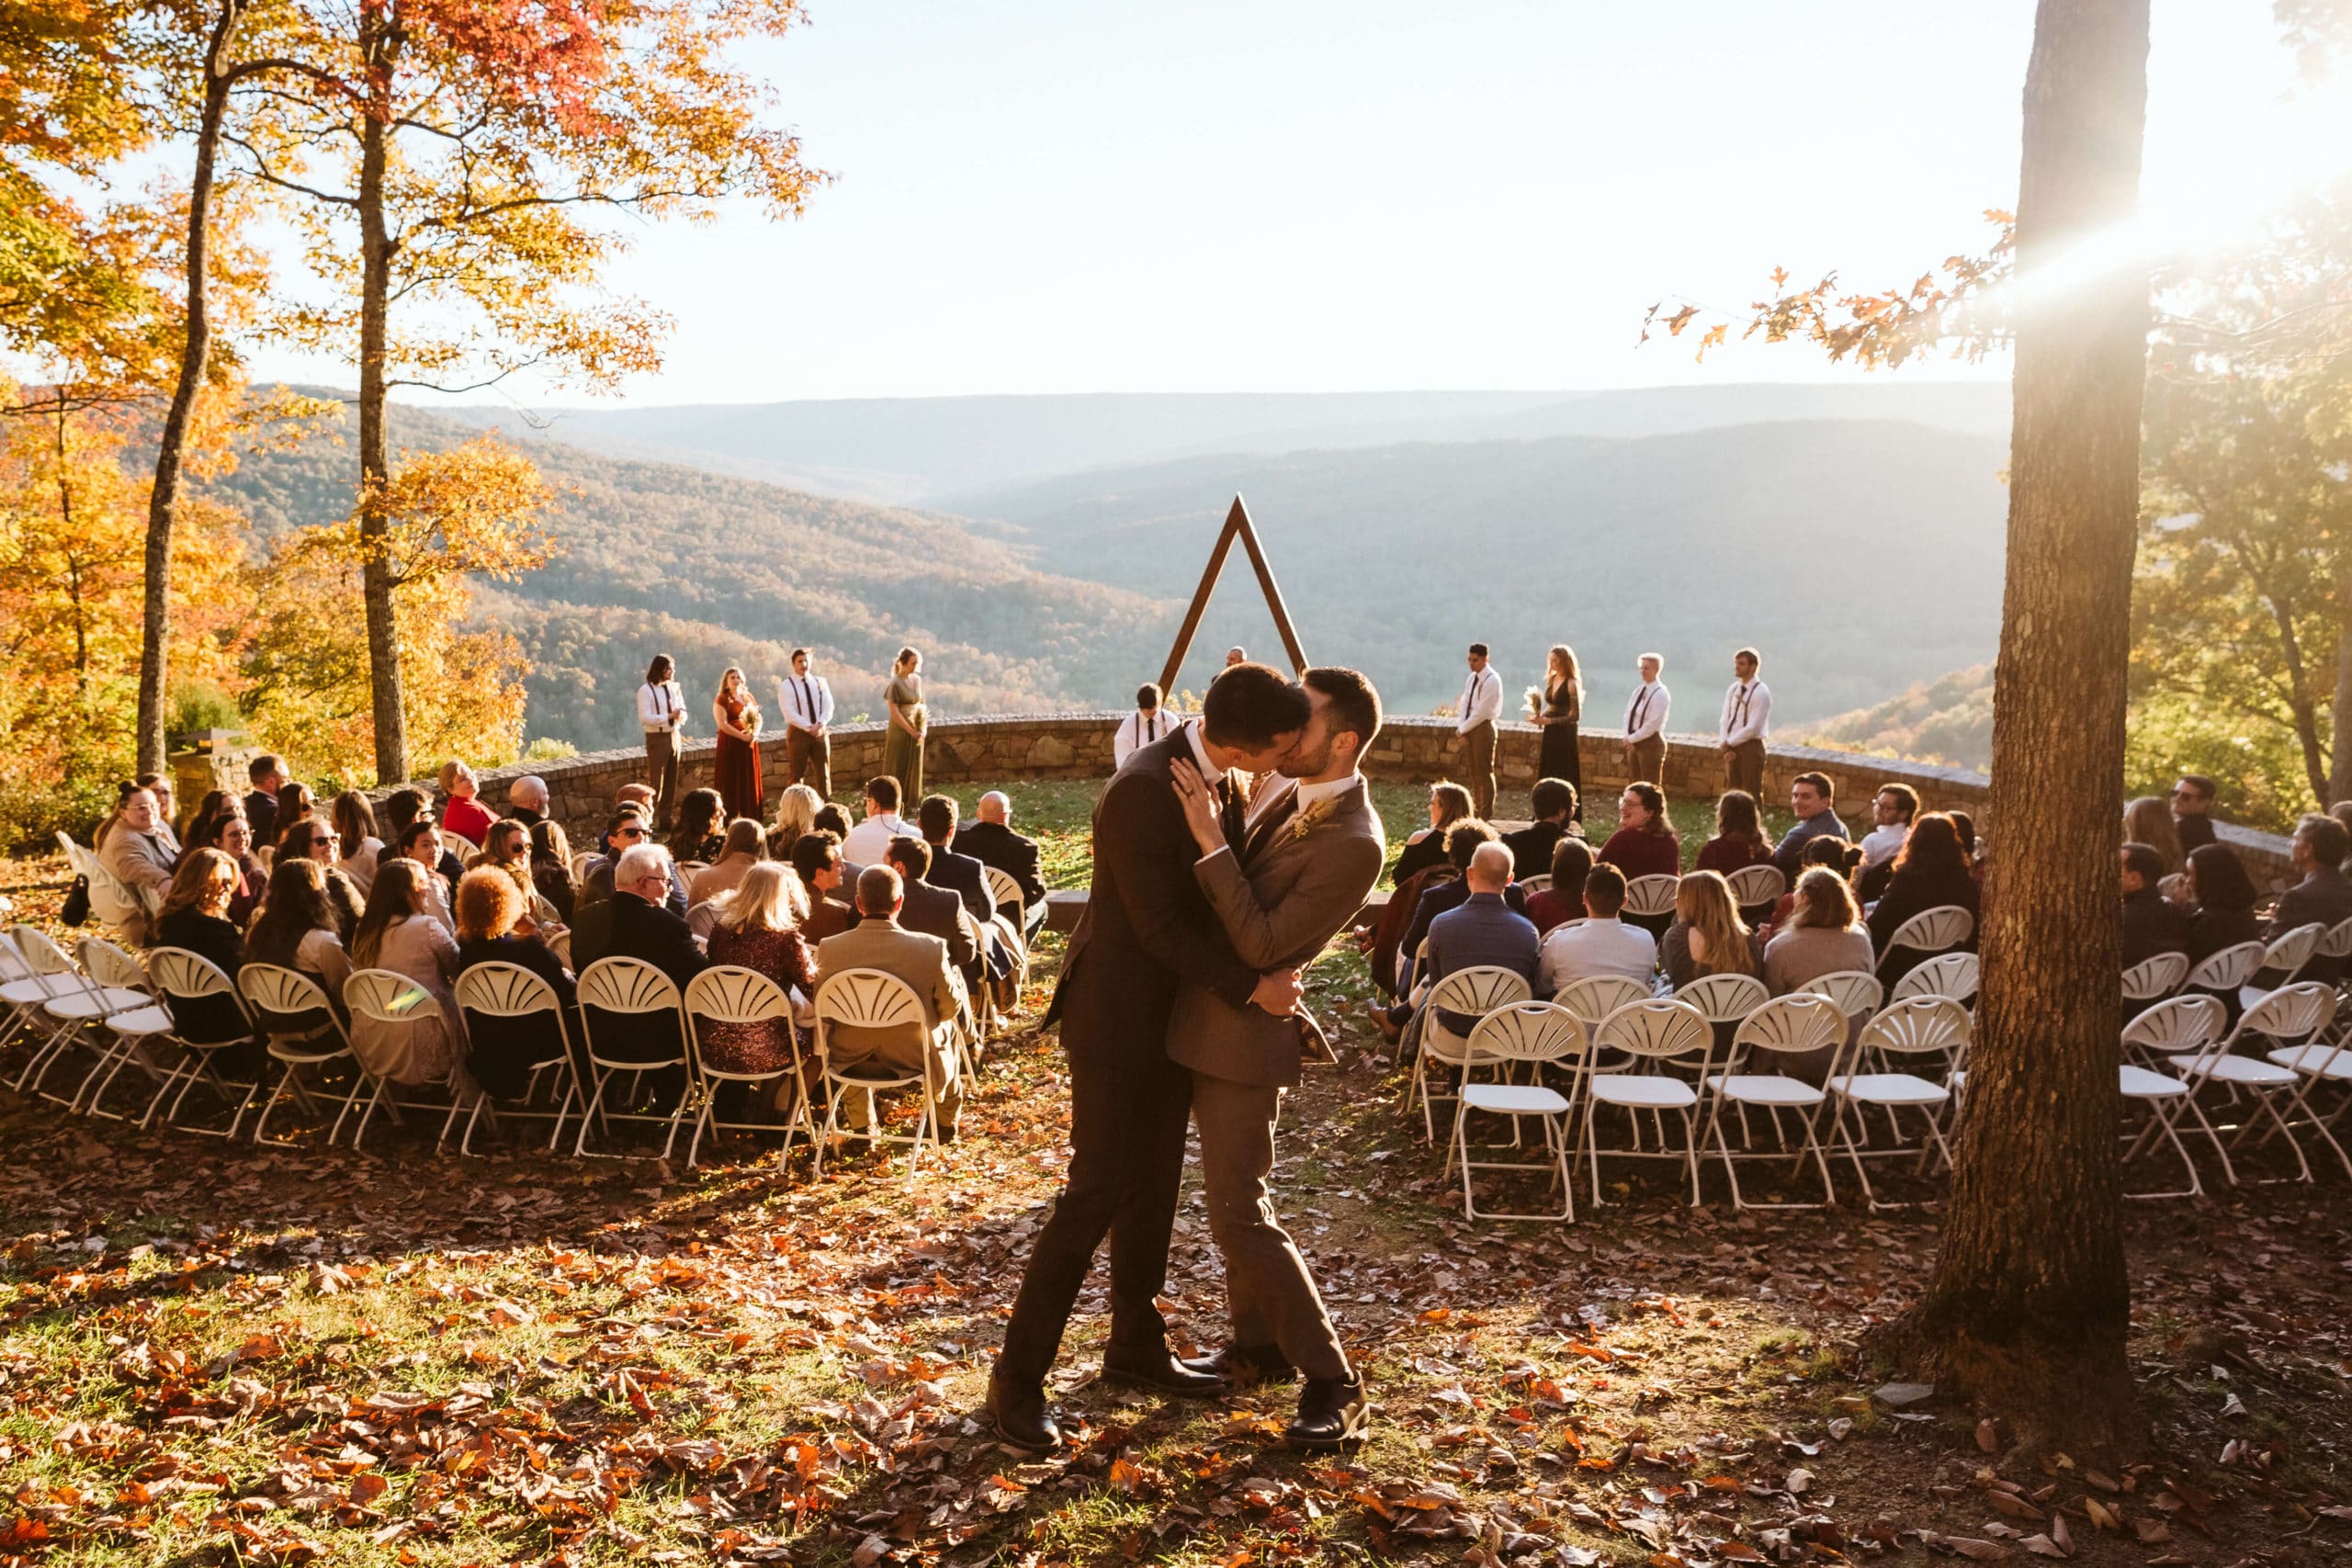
(2231, 970)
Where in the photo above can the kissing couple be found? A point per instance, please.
(1179, 998)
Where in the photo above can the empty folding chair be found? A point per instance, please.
(1536, 1034)
(1932, 1029)
(75, 1007)
(1465, 995)
(390, 998)
(47, 974)
(304, 1036)
(2287, 955)
(1666, 1048)
(2283, 1023)
(725, 995)
(1927, 933)
(2224, 974)
(2158, 976)
(632, 1018)
(1757, 889)
(1595, 997)
(2179, 1026)
(873, 998)
(500, 1002)
(127, 1030)
(1803, 1024)
(1949, 975)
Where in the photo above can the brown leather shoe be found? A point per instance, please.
(1246, 1364)
(1160, 1372)
(1331, 1412)
(1019, 1418)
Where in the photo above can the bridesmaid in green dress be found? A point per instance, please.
(902, 748)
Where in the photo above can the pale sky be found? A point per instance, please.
(1067, 196)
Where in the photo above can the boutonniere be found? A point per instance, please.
(1304, 823)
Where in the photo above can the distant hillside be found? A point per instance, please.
(1860, 557)
(1948, 720)
(897, 450)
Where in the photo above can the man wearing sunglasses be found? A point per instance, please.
(2192, 811)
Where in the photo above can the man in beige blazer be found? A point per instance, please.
(1312, 849)
(879, 941)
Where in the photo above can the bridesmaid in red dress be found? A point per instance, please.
(737, 718)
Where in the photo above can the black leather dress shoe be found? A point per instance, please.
(1019, 1417)
(1331, 1412)
(1162, 1373)
(1246, 1363)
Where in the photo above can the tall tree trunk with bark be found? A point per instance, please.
(2029, 1303)
(2339, 778)
(380, 44)
(162, 501)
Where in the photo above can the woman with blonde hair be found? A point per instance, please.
(1558, 708)
(1708, 937)
(745, 847)
(1824, 934)
(758, 929)
(354, 824)
(1449, 804)
(795, 814)
(401, 931)
(735, 768)
(902, 750)
(506, 847)
(194, 918)
(2148, 821)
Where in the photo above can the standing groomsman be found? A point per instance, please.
(1481, 706)
(1746, 721)
(808, 705)
(661, 709)
(1645, 724)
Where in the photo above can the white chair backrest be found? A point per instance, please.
(2291, 1014)
(1478, 990)
(2292, 950)
(1950, 974)
(2159, 976)
(687, 868)
(42, 955)
(1526, 1031)
(1855, 991)
(1803, 1020)
(274, 989)
(107, 965)
(176, 972)
(869, 998)
(728, 993)
(1657, 1028)
(2182, 1023)
(1532, 885)
(2337, 942)
(1005, 889)
(505, 990)
(1753, 885)
(2228, 969)
(703, 918)
(389, 997)
(1937, 929)
(1651, 896)
(1595, 997)
(627, 984)
(1917, 1024)
(1725, 999)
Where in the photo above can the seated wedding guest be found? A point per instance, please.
(868, 843)
(527, 800)
(551, 868)
(1824, 934)
(1462, 841)
(630, 825)
(635, 794)
(502, 1051)
(933, 911)
(759, 929)
(401, 931)
(817, 862)
(266, 774)
(2220, 902)
(796, 813)
(1644, 843)
(879, 941)
(165, 834)
(1891, 810)
(403, 809)
(2192, 812)
(421, 842)
(1812, 799)
(2148, 821)
(195, 917)
(204, 824)
(701, 833)
(1482, 931)
(296, 927)
(1708, 937)
(296, 805)
(2342, 812)
(1555, 802)
(988, 837)
(959, 874)
(2322, 895)
(232, 838)
(315, 839)
(745, 846)
(1142, 727)
(1965, 826)
(354, 825)
(1930, 872)
(2151, 925)
(464, 816)
(1828, 854)
(506, 847)
(1449, 804)
(1601, 943)
(1739, 840)
(635, 923)
(135, 855)
(1563, 900)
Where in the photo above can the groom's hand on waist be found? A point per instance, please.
(1277, 992)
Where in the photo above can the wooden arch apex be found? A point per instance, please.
(1237, 524)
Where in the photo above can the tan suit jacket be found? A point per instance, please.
(1279, 908)
(879, 942)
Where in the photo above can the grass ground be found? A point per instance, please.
(294, 1354)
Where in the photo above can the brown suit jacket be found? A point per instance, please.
(1279, 910)
(879, 942)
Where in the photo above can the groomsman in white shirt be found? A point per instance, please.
(808, 705)
(1481, 706)
(1746, 721)
(661, 710)
(1142, 727)
(1646, 712)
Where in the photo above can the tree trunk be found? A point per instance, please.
(2029, 1304)
(380, 46)
(2339, 778)
(162, 499)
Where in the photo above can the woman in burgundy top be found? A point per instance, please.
(1563, 900)
(758, 930)
(1644, 843)
(1740, 841)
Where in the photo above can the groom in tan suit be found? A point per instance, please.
(1311, 849)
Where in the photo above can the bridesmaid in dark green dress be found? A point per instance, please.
(902, 748)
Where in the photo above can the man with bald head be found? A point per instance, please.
(1480, 931)
(527, 800)
(990, 838)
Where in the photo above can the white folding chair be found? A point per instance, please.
(1918, 1027)
(303, 1035)
(1856, 991)
(2337, 943)
(1466, 993)
(1952, 975)
(1532, 885)
(2289, 1021)
(632, 992)
(2158, 976)
(392, 999)
(2287, 953)
(1595, 997)
(1800, 1024)
(1667, 1048)
(12, 964)
(111, 969)
(1757, 887)
(45, 974)
(1649, 898)
(1003, 890)
(2178, 1026)
(2226, 972)
(873, 998)
(726, 994)
(509, 991)
(1930, 932)
(1725, 999)
(75, 1004)
(1534, 1034)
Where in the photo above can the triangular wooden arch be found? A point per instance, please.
(1237, 523)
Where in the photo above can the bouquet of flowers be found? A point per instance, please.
(751, 719)
(1534, 699)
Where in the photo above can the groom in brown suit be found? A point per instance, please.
(1311, 849)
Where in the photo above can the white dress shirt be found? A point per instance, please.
(1582, 949)
(1137, 730)
(869, 843)
(807, 701)
(660, 707)
(1646, 710)
(1482, 700)
(1748, 712)
(1884, 843)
